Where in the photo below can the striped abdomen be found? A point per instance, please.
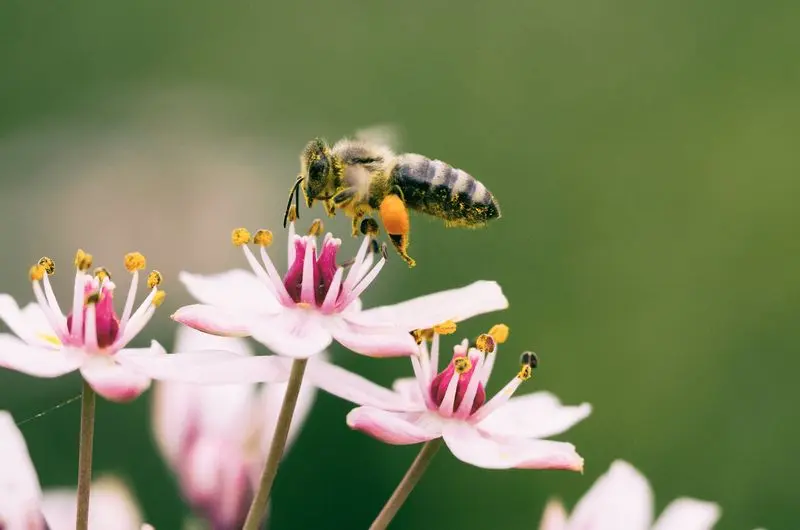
(436, 188)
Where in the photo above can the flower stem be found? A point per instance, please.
(85, 456)
(259, 506)
(410, 480)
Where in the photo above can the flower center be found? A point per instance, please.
(322, 270)
(462, 367)
(106, 320)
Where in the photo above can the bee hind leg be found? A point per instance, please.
(397, 224)
(400, 242)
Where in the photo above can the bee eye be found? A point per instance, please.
(318, 169)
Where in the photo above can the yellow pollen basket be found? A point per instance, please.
(240, 236)
(263, 237)
(135, 261)
(37, 272)
(158, 299)
(154, 279)
(462, 365)
(448, 327)
(48, 264)
(485, 343)
(83, 261)
(499, 333)
(316, 228)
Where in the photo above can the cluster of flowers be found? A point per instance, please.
(223, 416)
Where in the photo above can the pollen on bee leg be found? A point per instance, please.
(158, 299)
(154, 279)
(83, 260)
(448, 327)
(263, 237)
(37, 272)
(485, 343)
(462, 365)
(499, 333)
(316, 228)
(240, 236)
(135, 261)
(48, 264)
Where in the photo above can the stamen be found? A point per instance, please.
(369, 227)
(291, 215)
(240, 236)
(448, 327)
(154, 279)
(135, 261)
(263, 237)
(529, 361)
(93, 298)
(316, 228)
(499, 333)
(37, 272)
(101, 273)
(83, 261)
(158, 299)
(462, 365)
(422, 335)
(485, 343)
(48, 264)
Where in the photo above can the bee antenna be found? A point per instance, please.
(293, 194)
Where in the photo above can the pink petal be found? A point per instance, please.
(234, 291)
(29, 324)
(397, 428)
(621, 499)
(19, 485)
(36, 360)
(394, 343)
(468, 444)
(111, 503)
(297, 333)
(427, 311)
(354, 388)
(537, 415)
(555, 517)
(212, 319)
(688, 514)
(113, 381)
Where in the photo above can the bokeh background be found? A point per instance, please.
(644, 154)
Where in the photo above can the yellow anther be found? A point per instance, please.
(448, 327)
(93, 298)
(158, 299)
(485, 343)
(134, 261)
(316, 228)
(101, 273)
(240, 236)
(37, 272)
(83, 260)
(291, 215)
(421, 335)
(525, 372)
(462, 365)
(263, 237)
(499, 333)
(154, 279)
(48, 264)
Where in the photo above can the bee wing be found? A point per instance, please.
(382, 134)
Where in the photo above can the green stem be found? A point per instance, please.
(258, 508)
(85, 456)
(414, 473)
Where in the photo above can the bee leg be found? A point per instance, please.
(400, 242)
(343, 197)
(330, 208)
(396, 222)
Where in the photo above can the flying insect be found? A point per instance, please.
(363, 175)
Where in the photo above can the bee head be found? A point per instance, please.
(318, 165)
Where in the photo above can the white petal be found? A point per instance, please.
(354, 388)
(29, 324)
(688, 514)
(468, 444)
(619, 500)
(113, 381)
(537, 415)
(269, 405)
(409, 389)
(191, 340)
(427, 311)
(396, 428)
(213, 320)
(377, 342)
(20, 494)
(111, 506)
(234, 291)
(554, 517)
(298, 333)
(36, 360)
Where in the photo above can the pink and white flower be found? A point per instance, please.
(300, 314)
(23, 506)
(215, 438)
(500, 433)
(622, 500)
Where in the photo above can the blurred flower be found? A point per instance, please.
(215, 438)
(622, 500)
(24, 507)
(497, 434)
(300, 314)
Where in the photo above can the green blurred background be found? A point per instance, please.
(642, 155)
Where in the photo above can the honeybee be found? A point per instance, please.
(363, 175)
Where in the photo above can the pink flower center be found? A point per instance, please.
(439, 385)
(106, 320)
(323, 270)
